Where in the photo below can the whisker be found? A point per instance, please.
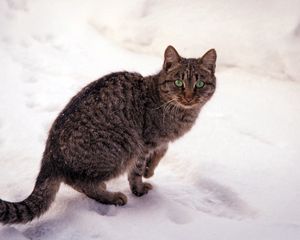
(164, 104)
(167, 107)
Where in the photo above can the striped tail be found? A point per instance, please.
(38, 202)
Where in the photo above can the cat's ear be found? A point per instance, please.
(172, 58)
(209, 59)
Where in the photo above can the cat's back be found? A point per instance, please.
(101, 120)
(106, 114)
(106, 95)
(111, 102)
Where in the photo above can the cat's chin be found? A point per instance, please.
(187, 106)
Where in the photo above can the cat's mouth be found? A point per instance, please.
(187, 103)
(182, 103)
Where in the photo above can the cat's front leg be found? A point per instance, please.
(137, 186)
(153, 160)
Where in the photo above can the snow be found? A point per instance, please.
(233, 176)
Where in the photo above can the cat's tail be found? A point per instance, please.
(38, 202)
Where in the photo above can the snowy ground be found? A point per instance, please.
(234, 176)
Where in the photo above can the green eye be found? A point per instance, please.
(179, 83)
(200, 84)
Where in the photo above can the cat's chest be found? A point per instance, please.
(176, 126)
(168, 127)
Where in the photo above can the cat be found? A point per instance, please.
(120, 122)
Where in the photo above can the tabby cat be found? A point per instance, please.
(122, 122)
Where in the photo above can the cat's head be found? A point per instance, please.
(187, 82)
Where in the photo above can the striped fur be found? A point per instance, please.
(120, 122)
(35, 204)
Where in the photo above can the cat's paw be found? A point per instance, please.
(120, 199)
(140, 190)
(148, 173)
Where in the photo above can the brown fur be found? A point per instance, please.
(121, 122)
